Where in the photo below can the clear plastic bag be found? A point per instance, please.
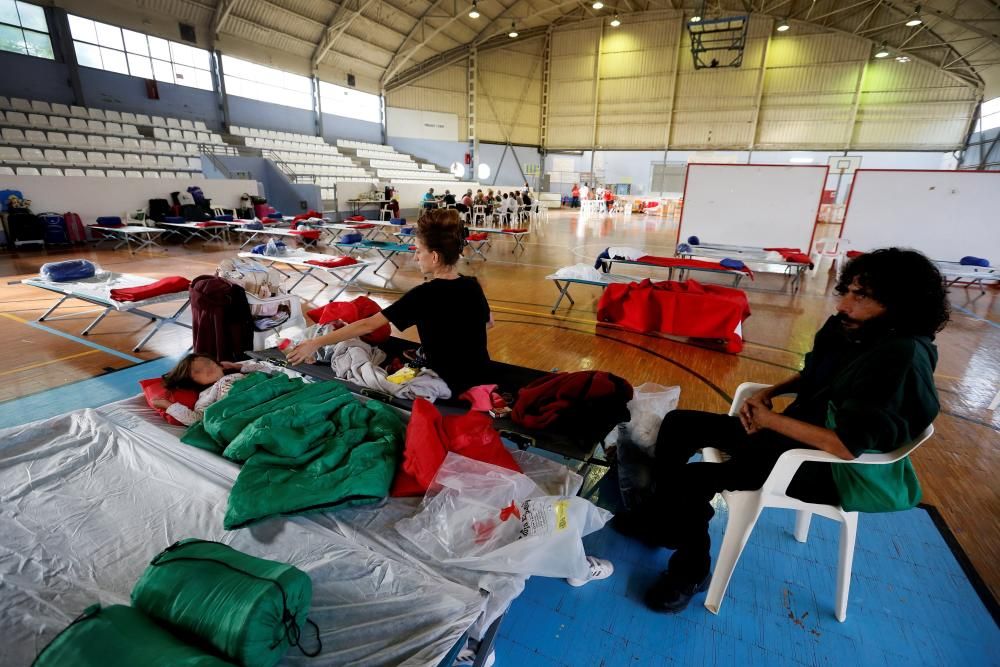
(649, 404)
(484, 517)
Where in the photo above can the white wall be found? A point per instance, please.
(421, 124)
(92, 197)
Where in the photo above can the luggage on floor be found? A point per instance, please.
(55, 228)
(74, 227)
(25, 228)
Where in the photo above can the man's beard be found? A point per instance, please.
(847, 322)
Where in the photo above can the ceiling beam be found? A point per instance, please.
(336, 28)
(222, 11)
(907, 8)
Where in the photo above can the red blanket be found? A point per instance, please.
(576, 400)
(159, 288)
(332, 263)
(678, 263)
(514, 230)
(363, 225)
(306, 216)
(792, 255)
(307, 233)
(478, 236)
(429, 438)
(686, 308)
(352, 311)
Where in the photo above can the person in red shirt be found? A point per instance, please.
(575, 192)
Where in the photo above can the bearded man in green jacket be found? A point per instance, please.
(866, 386)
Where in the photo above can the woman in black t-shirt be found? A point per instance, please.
(450, 310)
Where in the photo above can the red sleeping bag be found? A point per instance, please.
(159, 288)
(514, 230)
(429, 438)
(792, 255)
(478, 236)
(352, 311)
(678, 263)
(361, 225)
(332, 263)
(312, 234)
(686, 308)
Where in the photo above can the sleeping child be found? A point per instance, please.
(199, 371)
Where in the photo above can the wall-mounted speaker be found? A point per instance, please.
(187, 33)
(350, 80)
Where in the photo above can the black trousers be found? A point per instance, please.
(681, 504)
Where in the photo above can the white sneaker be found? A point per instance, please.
(599, 569)
(467, 657)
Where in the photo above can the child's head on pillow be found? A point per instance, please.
(193, 372)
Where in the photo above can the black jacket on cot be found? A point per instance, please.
(451, 318)
(221, 322)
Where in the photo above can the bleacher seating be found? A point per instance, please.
(52, 139)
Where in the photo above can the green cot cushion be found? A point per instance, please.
(249, 609)
(119, 635)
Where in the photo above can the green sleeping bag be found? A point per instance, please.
(120, 635)
(249, 609)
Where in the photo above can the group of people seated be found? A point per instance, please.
(867, 385)
(507, 206)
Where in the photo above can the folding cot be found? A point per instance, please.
(299, 261)
(508, 377)
(516, 234)
(145, 237)
(384, 248)
(563, 284)
(956, 272)
(671, 264)
(748, 255)
(133, 489)
(206, 231)
(274, 232)
(97, 290)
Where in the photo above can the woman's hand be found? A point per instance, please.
(162, 403)
(303, 352)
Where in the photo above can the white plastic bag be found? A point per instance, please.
(649, 404)
(483, 517)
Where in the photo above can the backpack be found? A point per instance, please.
(197, 195)
(55, 228)
(159, 209)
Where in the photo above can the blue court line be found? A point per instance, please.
(975, 317)
(89, 393)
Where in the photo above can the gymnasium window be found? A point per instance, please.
(115, 49)
(23, 29)
(246, 79)
(989, 115)
(341, 101)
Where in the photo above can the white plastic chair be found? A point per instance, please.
(832, 248)
(745, 507)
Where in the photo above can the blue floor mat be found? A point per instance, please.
(910, 604)
(91, 393)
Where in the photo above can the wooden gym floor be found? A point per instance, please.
(957, 467)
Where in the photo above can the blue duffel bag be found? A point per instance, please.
(68, 270)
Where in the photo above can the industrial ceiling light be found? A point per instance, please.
(474, 12)
(695, 19)
(915, 19)
(882, 51)
(783, 25)
(615, 22)
(902, 59)
(598, 4)
(513, 30)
